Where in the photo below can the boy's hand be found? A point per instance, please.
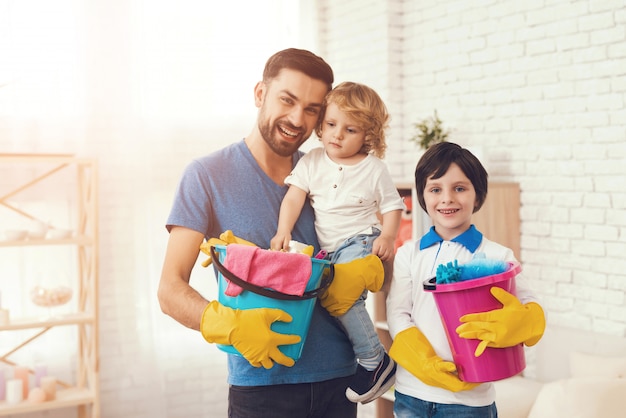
(510, 325)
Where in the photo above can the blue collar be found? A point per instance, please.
(470, 239)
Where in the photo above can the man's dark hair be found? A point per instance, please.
(300, 60)
(435, 163)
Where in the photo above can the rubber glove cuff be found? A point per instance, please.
(213, 312)
(412, 350)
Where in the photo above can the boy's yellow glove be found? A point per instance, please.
(510, 325)
(248, 330)
(412, 350)
(350, 280)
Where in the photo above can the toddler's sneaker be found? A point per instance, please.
(366, 385)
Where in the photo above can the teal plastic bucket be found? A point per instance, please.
(299, 307)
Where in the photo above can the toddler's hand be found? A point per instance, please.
(280, 242)
(383, 247)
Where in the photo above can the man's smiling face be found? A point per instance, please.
(290, 105)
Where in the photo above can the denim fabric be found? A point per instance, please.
(357, 321)
(354, 247)
(409, 407)
(303, 400)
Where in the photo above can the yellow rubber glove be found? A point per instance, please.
(411, 350)
(350, 280)
(226, 237)
(230, 238)
(308, 250)
(206, 246)
(248, 330)
(513, 324)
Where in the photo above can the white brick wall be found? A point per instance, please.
(540, 89)
(362, 41)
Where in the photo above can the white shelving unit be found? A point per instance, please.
(34, 175)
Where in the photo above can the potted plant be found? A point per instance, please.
(430, 131)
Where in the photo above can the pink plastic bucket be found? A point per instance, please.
(472, 296)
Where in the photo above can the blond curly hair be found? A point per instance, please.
(365, 106)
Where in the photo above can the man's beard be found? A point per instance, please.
(282, 148)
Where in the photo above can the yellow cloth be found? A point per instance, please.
(412, 350)
(248, 331)
(513, 324)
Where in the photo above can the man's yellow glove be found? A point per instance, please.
(412, 350)
(349, 282)
(510, 325)
(248, 330)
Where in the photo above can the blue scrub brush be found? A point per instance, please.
(479, 266)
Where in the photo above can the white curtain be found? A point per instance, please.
(144, 86)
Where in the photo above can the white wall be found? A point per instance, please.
(362, 41)
(538, 89)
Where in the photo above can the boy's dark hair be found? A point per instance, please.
(435, 163)
(300, 60)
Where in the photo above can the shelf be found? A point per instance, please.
(47, 241)
(503, 199)
(64, 398)
(26, 323)
(39, 184)
(36, 158)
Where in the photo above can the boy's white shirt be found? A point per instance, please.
(409, 305)
(345, 198)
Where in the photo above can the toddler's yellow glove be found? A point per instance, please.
(350, 280)
(510, 325)
(248, 330)
(412, 350)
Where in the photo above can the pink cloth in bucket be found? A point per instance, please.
(284, 272)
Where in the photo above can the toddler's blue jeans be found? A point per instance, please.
(357, 321)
